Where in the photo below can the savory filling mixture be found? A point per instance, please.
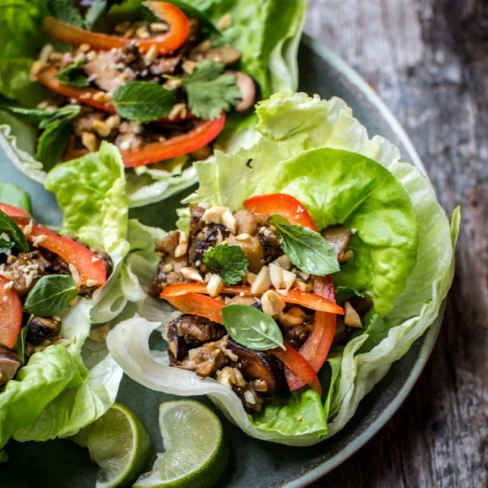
(156, 89)
(245, 258)
(41, 273)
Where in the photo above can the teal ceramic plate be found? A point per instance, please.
(60, 463)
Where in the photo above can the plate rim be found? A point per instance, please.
(429, 338)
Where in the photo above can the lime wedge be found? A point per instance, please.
(119, 443)
(195, 452)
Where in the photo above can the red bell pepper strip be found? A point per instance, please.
(297, 297)
(299, 366)
(201, 305)
(179, 29)
(10, 314)
(202, 135)
(319, 342)
(281, 204)
(14, 212)
(90, 267)
(85, 95)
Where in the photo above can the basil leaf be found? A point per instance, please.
(10, 227)
(230, 261)
(50, 294)
(20, 344)
(5, 245)
(67, 112)
(252, 328)
(306, 249)
(143, 101)
(72, 75)
(14, 195)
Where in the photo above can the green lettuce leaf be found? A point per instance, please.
(14, 195)
(91, 194)
(44, 377)
(296, 414)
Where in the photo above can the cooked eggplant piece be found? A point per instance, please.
(339, 236)
(9, 364)
(253, 249)
(246, 222)
(208, 236)
(207, 359)
(190, 331)
(247, 87)
(251, 401)
(42, 328)
(25, 270)
(255, 365)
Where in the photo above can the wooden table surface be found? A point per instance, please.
(428, 59)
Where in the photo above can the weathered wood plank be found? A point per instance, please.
(428, 59)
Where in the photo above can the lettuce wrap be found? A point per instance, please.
(66, 386)
(316, 151)
(266, 32)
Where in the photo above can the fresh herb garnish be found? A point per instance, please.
(143, 101)
(10, 227)
(53, 140)
(14, 195)
(343, 293)
(30, 115)
(210, 90)
(5, 245)
(65, 10)
(306, 249)
(252, 328)
(96, 9)
(50, 294)
(73, 75)
(230, 261)
(20, 344)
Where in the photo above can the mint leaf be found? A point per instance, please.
(30, 115)
(252, 328)
(143, 101)
(64, 10)
(14, 195)
(210, 90)
(5, 245)
(10, 227)
(53, 140)
(306, 249)
(96, 9)
(20, 344)
(50, 295)
(230, 261)
(72, 75)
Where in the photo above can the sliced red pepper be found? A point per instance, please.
(85, 95)
(319, 342)
(179, 29)
(281, 204)
(297, 297)
(14, 212)
(195, 304)
(202, 135)
(10, 314)
(299, 366)
(90, 267)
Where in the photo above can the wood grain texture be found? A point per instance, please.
(428, 59)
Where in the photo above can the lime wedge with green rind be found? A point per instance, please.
(120, 444)
(195, 454)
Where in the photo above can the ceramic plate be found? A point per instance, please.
(60, 463)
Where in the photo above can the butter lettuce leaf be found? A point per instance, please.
(39, 382)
